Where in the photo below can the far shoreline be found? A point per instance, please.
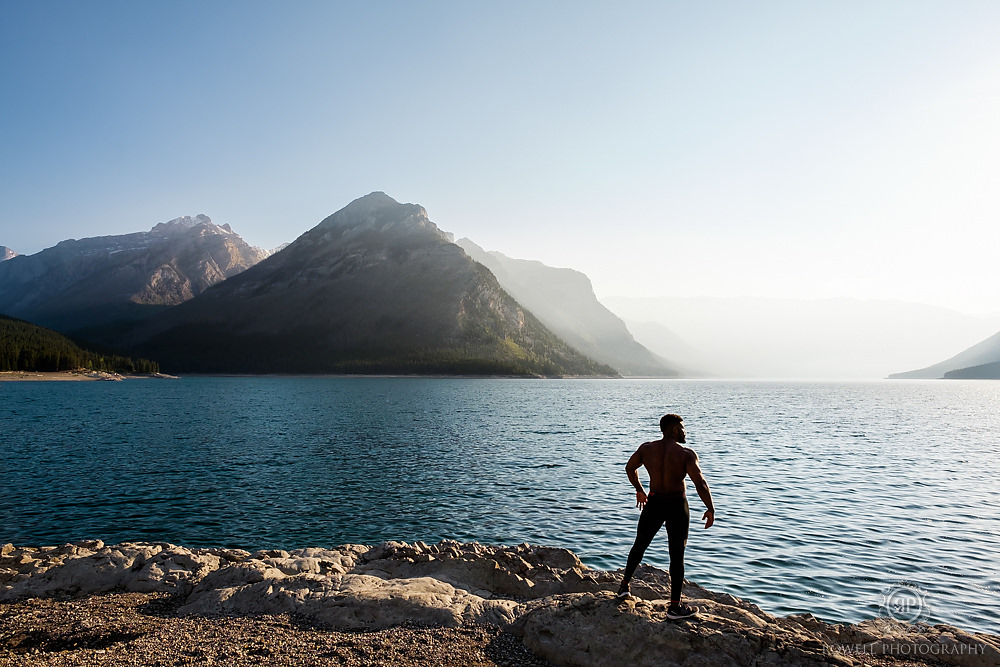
(76, 376)
(99, 376)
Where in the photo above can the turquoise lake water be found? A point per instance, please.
(828, 494)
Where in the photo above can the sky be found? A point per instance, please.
(780, 149)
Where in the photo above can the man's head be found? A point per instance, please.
(672, 426)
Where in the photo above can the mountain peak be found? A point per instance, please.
(376, 198)
(6, 253)
(380, 213)
(184, 222)
(374, 288)
(95, 282)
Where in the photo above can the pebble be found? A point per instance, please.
(118, 629)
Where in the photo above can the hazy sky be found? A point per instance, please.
(796, 149)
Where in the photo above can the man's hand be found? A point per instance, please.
(640, 498)
(709, 517)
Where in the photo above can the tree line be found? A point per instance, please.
(27, 347)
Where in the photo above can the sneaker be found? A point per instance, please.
(678, 611)
(623, 593)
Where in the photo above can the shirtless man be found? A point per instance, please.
(667, 463)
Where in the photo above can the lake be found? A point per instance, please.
(829, 494)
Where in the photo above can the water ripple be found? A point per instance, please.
(827, 493)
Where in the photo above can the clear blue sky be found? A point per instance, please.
(803, 149)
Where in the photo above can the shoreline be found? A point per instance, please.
(76, 376)
(221, 603)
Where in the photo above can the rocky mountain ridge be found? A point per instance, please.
(564, 301)
(80, 284)
(375, 287)
(6, 253)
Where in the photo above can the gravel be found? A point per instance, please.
(144, 629)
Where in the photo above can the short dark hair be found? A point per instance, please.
(666, 421)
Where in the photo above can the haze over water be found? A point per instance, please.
(828, 494)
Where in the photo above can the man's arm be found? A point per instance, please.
(634, 463)
(701, 484)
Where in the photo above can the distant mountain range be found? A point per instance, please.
(87, 286)
(981, 361)
(797, 338)
(564, 300)
(374, 288)
(378, 288)
(665, 343)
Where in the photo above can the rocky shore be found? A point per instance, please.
(408, 604)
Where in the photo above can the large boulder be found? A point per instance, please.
(353, 601)
(590, 629)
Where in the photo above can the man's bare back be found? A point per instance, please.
(667, 465)
(668, 462)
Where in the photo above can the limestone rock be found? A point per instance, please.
(360, 602)
(76, 569)
(523, 571)
(590, 629)
(564, 611)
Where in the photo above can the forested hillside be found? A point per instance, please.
(26, 347)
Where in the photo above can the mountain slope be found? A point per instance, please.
(375, 287)
(26, 347)
(990, 371)
(977, 361)
(564, 301)
(661, 341)
(79, 285)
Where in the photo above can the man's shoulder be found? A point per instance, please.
(686, 452)
(644, 449)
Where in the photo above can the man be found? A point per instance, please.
(667, 462)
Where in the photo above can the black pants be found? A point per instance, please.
(672, 510)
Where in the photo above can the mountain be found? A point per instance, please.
(26, 347)
(6, 253)
(980, 361)
(377, 288)
(564, 301)
(81, 286)
(799, 338)
(990, 371)
(663, 342)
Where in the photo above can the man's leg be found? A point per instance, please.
(678, 521)
(649, 522)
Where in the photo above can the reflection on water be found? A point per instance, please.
(827, 493)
